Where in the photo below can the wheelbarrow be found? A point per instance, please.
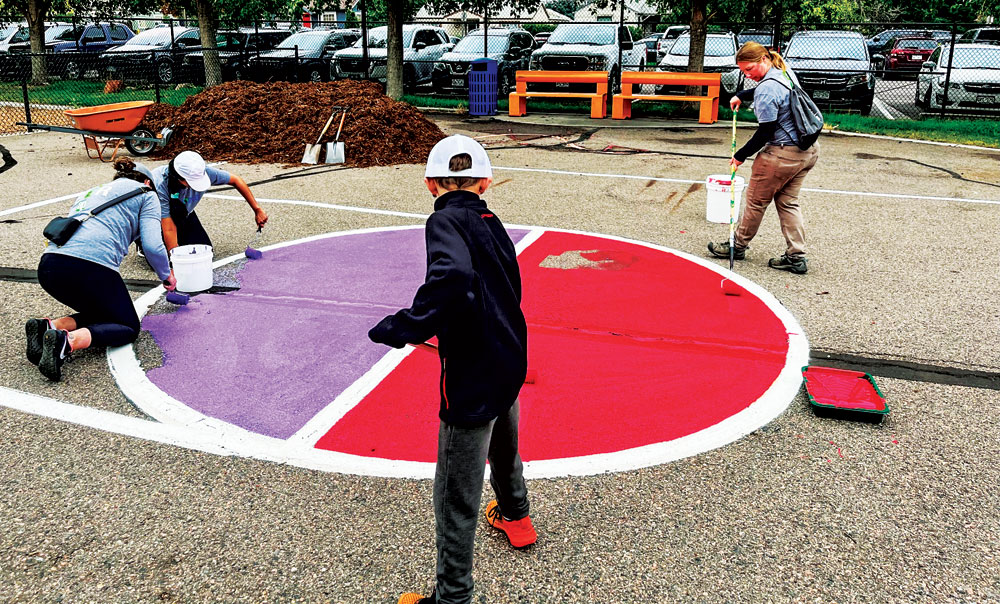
(111, 126)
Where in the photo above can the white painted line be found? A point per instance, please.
(329, 206)
(908, 140)
(881, 106)
(687, 181)
(39, 204)
(33, 105)
(298, 451)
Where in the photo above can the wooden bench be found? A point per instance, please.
(598, 99)
(621, 104)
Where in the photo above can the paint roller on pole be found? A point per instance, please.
(730, 288)
(530, 377)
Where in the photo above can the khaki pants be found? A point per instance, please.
(777, 174)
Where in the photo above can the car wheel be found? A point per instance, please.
(140, 147)
(866, 107)
(927, 99)
(72, 71)
(503, 90)
(409, 79)
(165, 72)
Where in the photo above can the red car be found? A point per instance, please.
(906, 56)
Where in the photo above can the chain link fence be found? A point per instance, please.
(895, 71)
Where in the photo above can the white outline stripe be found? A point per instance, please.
(39, 204)
(137, 388)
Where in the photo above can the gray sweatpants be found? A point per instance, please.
(458, 489)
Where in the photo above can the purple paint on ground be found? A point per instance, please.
(271, 355)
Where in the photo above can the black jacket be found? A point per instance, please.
(470, 300)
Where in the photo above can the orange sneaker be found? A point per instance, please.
(520, 533)
(412, 598)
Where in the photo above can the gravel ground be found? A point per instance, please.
(804, 510)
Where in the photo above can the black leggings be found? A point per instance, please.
(97, 294)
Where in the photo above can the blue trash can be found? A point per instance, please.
(483, 87)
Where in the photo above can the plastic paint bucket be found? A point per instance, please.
(192, 267)
(717, 208)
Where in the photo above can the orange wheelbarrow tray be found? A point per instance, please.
(110, 126)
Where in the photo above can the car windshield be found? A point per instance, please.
(974, 58)
(158, 36)
(228, 40)
(7, 30)
(308, 40)
(474, 43)
(601, 35)
(69, 34)
(819, 47)
(715, 46)
(917, 44)
(377, 38)
(763, 39)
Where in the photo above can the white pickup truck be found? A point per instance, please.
(590, 47)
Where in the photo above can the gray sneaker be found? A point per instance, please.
(797, 265)
(721, 250)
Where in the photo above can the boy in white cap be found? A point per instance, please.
(180, 185)
(470, 300)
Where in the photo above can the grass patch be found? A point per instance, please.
(984, 133)
(88, 94)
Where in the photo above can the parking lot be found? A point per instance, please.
(98, 506)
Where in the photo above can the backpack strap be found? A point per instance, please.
(115, 201)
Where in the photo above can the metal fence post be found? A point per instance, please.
(27, 105)
(156, 77)
(947, 73)
(364, 38)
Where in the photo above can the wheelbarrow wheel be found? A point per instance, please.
(140, 147)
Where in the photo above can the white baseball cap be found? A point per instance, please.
(447, 148)
(191, 168)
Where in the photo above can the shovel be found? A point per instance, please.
(335, 150)
(311, 155)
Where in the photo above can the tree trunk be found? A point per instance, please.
(207, 26)
(35, 15)
(699, 30)
(394, 50)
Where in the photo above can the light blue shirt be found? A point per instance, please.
(772, 102)
(105, 238)
(187, 196)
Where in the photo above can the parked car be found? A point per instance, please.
(906, 55)
(541, 38)
(650, 42)
(236, 49)
(302, 57)
(877, 43)
(974, 82)
(510, 48)
(14, 66)
(594, 47)
(669, 35)
(152, 53)
(77, 49)
(720, 57)
(834, 67)
(981, 35)
(423, 45)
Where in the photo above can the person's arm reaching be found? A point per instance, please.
(260, 216)
(763, 134)
(448, 286)
(169, 233)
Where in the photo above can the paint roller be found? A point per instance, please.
(531, 377)
(252, 252)
(176, 297)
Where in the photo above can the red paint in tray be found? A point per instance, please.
(845, 392)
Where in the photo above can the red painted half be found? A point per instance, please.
(632, 346)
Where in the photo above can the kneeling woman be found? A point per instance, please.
(83, 273)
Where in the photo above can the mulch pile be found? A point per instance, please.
(271, 123)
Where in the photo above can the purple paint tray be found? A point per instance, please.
(844, 394)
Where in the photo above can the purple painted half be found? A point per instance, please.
(271, 355)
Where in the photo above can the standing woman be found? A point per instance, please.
(180, 185)
(83, 272)
(780, 167)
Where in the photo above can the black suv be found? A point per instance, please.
(236, 50)
(302, 57)
(510, 48)
(834, 67)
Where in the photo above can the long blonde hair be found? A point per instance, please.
(753, 52)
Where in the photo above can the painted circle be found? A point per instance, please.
(640, 358)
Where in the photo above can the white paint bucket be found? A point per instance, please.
(192, 267)
(717, 207)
